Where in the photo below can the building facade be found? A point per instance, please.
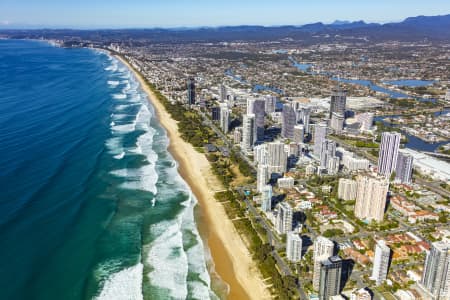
(293, 247)
(259, 111)
(299, 134)
(266, 198)
(284, 218)
(248, 133)
(436, 274)
(330, 277)
(381, 262)
(403, 170)
(337, 122)
(191, 91)
(223, 93)
(288, 121)
(347, 189)
(371, 197)
(387, 159)
(224, 117)
(323, 249)
(320, 134)
(270, 104)
(262, 177)
(276, 157)
(338, 102)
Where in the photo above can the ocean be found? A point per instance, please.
(91, 205)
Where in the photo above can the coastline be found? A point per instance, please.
(232, 260)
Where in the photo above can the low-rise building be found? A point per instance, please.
(285, 183)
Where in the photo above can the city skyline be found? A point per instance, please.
(170, 14)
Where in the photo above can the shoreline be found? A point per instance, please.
(232, 260)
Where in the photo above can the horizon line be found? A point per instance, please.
(191, 27)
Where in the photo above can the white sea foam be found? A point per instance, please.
(114, 145)
(122, 107)
(118, 117)
(123, 285)
(120, 155)
(168, 259)
(145, 177)
(199, 289)
(113, 83)
(113, 67)
(136, 97)
(119, 96)
(124, 128)
(126, 88)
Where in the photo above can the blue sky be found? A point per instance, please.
(175, 13)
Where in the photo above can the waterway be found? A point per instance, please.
(410, 82)
(368, 83)
(414, 142)
(255, 87)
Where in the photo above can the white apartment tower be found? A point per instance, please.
(387, 160)
(347, 189)
(320, 133)
(299, 134)
(371, 197)
(248, 132)
(266, 198)
(328, 150)
(403, 170)
(288, 121)
(276, 158)
(323, 249)
(293, 247)
(262, 177)
(270, 104)
(250, 106)
(305, 118)
(237, 135)
(223, 93)
(337, 122)
(436, 274)
(284, 218)
(224, 117)
(260, 154)
(381, 262)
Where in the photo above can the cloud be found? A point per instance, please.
(5, 22)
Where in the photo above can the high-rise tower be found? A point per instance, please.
(338, 102)
(387, 160)
(371, 196)
(288, 121)
(191, 91)
(323, 249)
(381, 262)
(330, 277)
(403, 170)
(248, 132)
(436, 273)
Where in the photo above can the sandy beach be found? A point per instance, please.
(231, 257)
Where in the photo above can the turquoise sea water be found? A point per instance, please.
(91, 203)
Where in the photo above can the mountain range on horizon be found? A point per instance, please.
(410, 29)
